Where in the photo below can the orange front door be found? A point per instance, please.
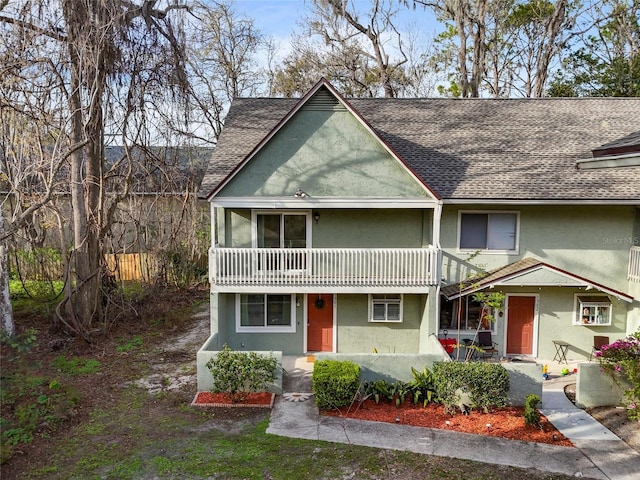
(320, 323)
(520, 327)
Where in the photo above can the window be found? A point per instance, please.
(592, 310)
(282, 230)
(492, 231)
(467, 310)
(265, 312)
(385, 308)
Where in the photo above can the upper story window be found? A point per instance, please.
(385, 308)
(592, 310)
(281, 230)
(488, 231)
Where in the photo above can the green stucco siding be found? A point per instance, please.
(238, 231)
(357, 335)
(588, 241)
(325, 153)
(287, 343)
(556, 323)
(377, 228)
(347, 228)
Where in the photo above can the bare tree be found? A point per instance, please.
(222, 63)
(507, 45)
(102, 47)
(362, 51)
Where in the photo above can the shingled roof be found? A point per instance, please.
(627, 144)
(519, 270)
(471, 149)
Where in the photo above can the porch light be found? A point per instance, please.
(316, 216)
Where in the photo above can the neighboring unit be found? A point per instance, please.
(362, 225)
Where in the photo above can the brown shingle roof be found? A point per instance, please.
(478, 282)
(627, 144)
(473, 149)
(518, 268)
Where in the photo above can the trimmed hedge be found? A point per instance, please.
(487, 384)
(335, 383)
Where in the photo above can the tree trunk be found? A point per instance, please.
(6, 312)
(549, 47)
(479, 49)
(460, 19)
(83, 301)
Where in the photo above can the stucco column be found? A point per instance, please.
(429, 322)
(213, 320)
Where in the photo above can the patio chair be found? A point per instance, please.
(487, 345)
(598, 342)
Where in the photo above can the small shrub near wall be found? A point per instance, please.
(531, 414)
(239, 373)
(485, 384)
(335, 383)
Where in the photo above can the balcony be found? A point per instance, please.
(634, 265)
(324, 270)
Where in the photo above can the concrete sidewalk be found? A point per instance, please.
(598, 453)
(614, 458)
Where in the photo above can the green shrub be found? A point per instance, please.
(531, 414)
(238, 373)
(487, 384)
(335, 383)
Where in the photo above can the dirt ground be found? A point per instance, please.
(161, 362)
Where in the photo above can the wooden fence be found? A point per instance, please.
(140, 267)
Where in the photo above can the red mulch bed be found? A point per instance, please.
(259, 399)
(505, 422)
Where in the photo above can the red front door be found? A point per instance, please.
(320, 323)
(520, 325)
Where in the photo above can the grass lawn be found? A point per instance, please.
(71, 411)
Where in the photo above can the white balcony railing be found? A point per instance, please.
(634, 264)
(325, 267)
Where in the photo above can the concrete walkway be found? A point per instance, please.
(598, 453)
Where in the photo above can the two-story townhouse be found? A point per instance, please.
(365, 225)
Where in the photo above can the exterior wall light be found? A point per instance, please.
(316, 216)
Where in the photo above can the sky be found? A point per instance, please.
(279, 18)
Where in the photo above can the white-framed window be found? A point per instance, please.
(265, 312)
(385, 307)
(491, 232)
(469, 312)
(286, 229)
(282, 230)
(592, 310)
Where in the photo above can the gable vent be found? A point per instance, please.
(323, 100)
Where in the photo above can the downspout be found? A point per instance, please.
(437, 220)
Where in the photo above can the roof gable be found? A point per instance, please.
(527, 272)
(324, 148)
